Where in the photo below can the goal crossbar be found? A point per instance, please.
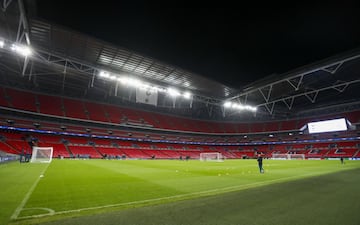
(41, 154)
(211, 156)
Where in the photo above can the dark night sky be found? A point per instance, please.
(233, 46)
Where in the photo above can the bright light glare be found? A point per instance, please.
(1, 43)
(21, 50)
(187, 95)
(227, 104)
(173, 92)
(239, 106)
(160, 89)
(131, 82)
(104, 74)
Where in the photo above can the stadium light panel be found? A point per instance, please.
(131, 82)
(21, 50)
(173, 92)
(232, 105)
(104, 74)
(160, 89)
(187, 95)
(251, 108)
(240, 107)
(227, 104)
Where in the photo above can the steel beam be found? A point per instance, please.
(337, 65)
(311, 95)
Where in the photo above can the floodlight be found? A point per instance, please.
(1, 43)
(187, 95)
(227, 104)
(241, 107)
(134, 82)
(104, 74)
(173, 92)
(238, 106)
(146, 86)
(21, 50)
(160, 89)
(131, 82)
(123, 80)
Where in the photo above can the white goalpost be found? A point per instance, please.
(41, 154)
(287, 156)
(211, 156)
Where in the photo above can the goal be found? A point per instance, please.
(42, 155)
(211, 156)
(287, 156)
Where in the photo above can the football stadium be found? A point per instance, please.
(93, 133)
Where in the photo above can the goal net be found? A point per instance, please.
(42, 155)
(287, 156)
(211, 156)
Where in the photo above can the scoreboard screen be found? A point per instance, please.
(327, 126)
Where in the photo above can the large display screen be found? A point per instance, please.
(327, 126)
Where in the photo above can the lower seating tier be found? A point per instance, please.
(68, 147)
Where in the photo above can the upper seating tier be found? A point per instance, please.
(100, 112)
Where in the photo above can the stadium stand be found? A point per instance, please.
(3, 100)
(21, 101)
(51, 105)
(97, 114)
(84, 152)
(74, 109)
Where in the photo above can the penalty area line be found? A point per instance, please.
(17, 211)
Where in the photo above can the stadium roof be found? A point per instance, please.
(68, 62)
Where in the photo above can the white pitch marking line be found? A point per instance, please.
(218, 190)
(27, 196)
(50, 212)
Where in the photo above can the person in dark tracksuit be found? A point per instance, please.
(260, 163)
(342, 160)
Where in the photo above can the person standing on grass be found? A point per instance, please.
(260, 163)
(342, 160)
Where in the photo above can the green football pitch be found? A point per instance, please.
(232, 192)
